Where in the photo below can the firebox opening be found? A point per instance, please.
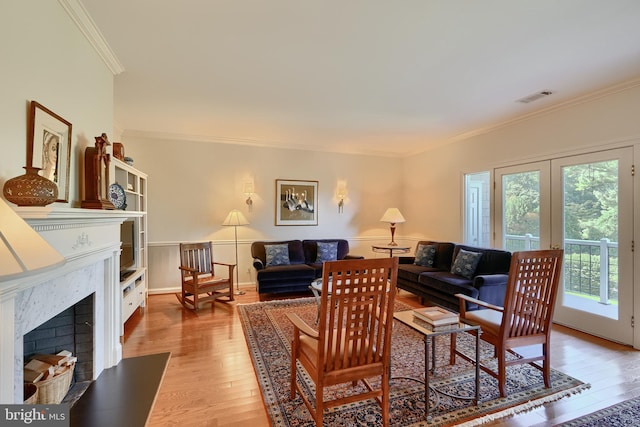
(70, 330)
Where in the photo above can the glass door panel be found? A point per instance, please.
(522, 207)
(593, 193)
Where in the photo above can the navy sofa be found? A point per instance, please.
(302, 269)
(438, 285)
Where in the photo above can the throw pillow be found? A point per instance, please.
(425, 255)
(327, 251)
(466, 263)
(277, 254)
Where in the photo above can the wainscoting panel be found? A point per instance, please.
(164, 259)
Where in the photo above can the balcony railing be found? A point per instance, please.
(590, 266)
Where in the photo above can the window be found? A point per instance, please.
(477, 209)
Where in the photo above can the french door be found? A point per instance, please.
(582, 204)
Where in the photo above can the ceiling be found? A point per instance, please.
(380, 77)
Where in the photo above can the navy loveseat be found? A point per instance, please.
(299, 269)
(438, 285)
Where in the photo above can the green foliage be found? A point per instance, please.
(522, 203)
(590, 194)
(591, 201)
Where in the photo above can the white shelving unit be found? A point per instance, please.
(134, 285)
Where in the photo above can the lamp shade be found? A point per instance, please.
(22, 250)
(393, 216)
(235, 217)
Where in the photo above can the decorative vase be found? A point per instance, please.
(30, 189)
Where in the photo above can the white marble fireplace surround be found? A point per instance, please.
(90, 242)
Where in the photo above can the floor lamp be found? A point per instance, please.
(235, 218)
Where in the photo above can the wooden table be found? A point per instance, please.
(407, 318)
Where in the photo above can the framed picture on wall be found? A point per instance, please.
(49, 147)
(296, 202)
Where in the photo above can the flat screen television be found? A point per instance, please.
(128, 253)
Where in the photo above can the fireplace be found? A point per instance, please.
(90, 242)
(70, 330)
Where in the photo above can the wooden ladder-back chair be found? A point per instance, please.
(352, 340)
(526, 317)
(199, 282)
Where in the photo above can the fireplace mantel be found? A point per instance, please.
(89, 240)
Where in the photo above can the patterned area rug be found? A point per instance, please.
(625, 413)
(268, 333)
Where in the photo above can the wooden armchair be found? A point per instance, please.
(199, 282)
(353, 338)
(526, 316)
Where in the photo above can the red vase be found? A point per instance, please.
(30, 189)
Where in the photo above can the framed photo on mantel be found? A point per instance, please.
(49, 147)
(296, 202)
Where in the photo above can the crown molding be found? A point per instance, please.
(78, 14)
(130, 133)
(592, 96)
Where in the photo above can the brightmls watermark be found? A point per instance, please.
(34, 415)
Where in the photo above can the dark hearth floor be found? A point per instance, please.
(122, 395)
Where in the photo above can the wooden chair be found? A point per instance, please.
(198, 276)
(526, 316)
(353, 339)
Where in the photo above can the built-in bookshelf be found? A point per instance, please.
(133, 283)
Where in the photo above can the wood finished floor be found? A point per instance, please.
(210, 380)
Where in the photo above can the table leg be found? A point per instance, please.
(317, 295)
(433, 355)
(478, 332)
(426, 378)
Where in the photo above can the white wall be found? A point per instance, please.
(194, 185)
(47, 59)
(437, 175)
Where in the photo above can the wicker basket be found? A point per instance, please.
(54, 389)
(30, 394)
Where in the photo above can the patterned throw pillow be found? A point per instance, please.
(425, 255)
(277, 254)
(327, 251)
(465, 263)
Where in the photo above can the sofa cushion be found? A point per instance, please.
(493, 261)
(447, 283)
(425, 255)
(311, 249)
(327, 251)
(277, 254)
(285, 273)
(296, 253)
(444, 253)
(466, 263)
(411, 272)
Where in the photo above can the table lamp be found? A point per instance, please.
(392, 216)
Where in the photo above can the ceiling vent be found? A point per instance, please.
(534, 97)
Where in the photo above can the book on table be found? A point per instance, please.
(439, 328)
(436, 316)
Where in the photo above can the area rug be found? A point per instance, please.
(268, 333)
(625, 413)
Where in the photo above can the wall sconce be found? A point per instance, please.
(342, 193)
(248, 191)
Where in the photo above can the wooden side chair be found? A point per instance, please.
(199, 281)
(526, 317)
(352, 341)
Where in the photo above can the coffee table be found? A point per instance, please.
(407, 318)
